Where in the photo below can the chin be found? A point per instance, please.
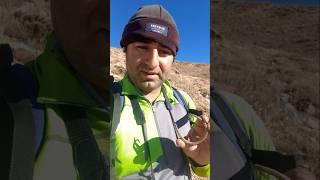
(150, 86)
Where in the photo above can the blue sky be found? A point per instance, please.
(192, 18)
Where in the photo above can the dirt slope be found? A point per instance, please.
(269, 54)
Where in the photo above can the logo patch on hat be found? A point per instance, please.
(157, 28)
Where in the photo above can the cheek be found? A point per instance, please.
(131, 67)
(132, 62)
(166, 66)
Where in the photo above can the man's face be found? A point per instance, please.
(148, 65)
(82, 28)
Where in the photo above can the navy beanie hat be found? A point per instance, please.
(152, 22)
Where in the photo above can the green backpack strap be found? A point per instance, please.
(88, 159)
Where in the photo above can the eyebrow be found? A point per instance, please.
(149, 41)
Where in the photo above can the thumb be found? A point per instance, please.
(185, 147)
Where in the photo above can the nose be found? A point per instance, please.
(153, 59)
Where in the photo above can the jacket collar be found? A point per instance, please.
(58, 83)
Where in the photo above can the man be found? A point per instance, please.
(145, 143)
(70, 96)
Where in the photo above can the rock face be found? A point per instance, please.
(266, 53)
(269, 54)
(25, 25)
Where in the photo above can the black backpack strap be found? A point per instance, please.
(6, 134)
(245, 172)
(229, 123)
(23, 135)
(88, 159)
(116, 91)
(118, 103)
(23, 142)
(269, 159)
(274, 160)
(177, 94)
(233, 121)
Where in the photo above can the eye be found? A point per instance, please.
(142, 47)
(164, 52)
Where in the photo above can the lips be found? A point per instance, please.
(150, 73)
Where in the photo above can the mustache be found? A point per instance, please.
(153, 71)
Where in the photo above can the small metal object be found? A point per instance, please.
(197, 114)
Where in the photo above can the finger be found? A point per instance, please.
(202, 121)
(198, 135)
(186, 147)
(180, 143)
(197, 130)
(191, 148)
(206, 120)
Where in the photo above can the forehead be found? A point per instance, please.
(151, 43)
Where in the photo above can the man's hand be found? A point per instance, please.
(199, 153)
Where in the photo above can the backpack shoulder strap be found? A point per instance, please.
(116, 90)
(232, 126)
(233, 122)
(23, 143)
(88, 159)
(177, 94)
(118, 103)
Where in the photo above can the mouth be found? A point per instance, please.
(149, 73)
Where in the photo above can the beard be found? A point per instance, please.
(148, 83)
